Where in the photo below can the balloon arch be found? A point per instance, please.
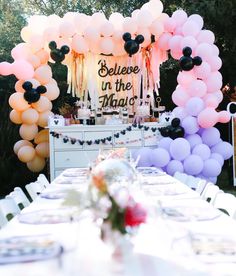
(139, 43)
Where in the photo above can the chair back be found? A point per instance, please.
(9, 208)
(19, 197)
(34, 189)
(43, 180)
(211, 192)
(226, 202)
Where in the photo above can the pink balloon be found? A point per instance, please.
(176, 55)
(180, 97)
(5, 68)
(180, 17)
(208, 118)
(174, 43)
(130, 25)
(66, 29)
(204, 50)
(79, 44)
(107, 29)
(218, 95)
(203, 71)
(214, 82)
(170, 25)
(178, 31)
(23, 69)
(106, 45)
(206, 36)
(190, 28)
(224, 117)
(157, 28)
(215, 50)
(164, 41)
(197, 19)
(91, 34)
(215, 63)
(21, 51)
(185, 78)
(197, 88)
(211, 101)
(188, 41)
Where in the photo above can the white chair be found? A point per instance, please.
(19, 197)
(3, 219)
(9, 208)
(182, 177)
(43, 180)
(201, 185)
(34, 189)
(226, 202)
(210, 193)
(192, 182)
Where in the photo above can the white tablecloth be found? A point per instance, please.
(161, 247)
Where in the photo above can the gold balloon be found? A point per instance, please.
(42, 136)
(42, 149)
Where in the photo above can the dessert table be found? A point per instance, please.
(179, 220)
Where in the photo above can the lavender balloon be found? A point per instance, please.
(190, 125)
(193, 164)
(218, 158)
(202, 150)
(211, 168)
(179, 149)
(210, 136)
(194, 139)
(165, 143)
(194, 106)
(225, 149)
(174, 166)
(180, 112)
(144, 160)
(160, 157)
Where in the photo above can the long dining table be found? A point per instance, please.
(184, 235)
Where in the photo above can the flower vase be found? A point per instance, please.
(119, 244)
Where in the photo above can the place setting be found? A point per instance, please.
(25, 249)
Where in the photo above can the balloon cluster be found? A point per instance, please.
(58, 55)
(132, 45)
(32, 95)
(187, 62)
(173, 131)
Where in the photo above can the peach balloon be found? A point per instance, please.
(147, 36)
(15, 117)
(42, 149)
(91, 34)
(36, 42)
(130, 25)
(107, 29)
(37, 164)
(208, 118)
(28, 132)
(43, 74)
(17, 102)
(66, 29)
(144, 18)
(164, 41)
(26, 154)
(157, 28)
(18, 86)
(30, 116)
(43, 118)
(106, 45)
(25, 33)
(22, 69)
(51, 34)
(34, 61)
(43, 104)
(224, 116)
(53, 91)
(43, 56)
(20, 144)
(21, 51)
(42, 136)
(79, 44)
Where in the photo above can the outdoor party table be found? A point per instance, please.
(162, 246)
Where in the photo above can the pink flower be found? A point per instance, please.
(135, 215)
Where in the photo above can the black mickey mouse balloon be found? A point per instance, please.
(173, 131)
(187, 62)
(132, 45)
(58, 55)
(32, 95)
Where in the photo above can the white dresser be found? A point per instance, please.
(78, 153)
